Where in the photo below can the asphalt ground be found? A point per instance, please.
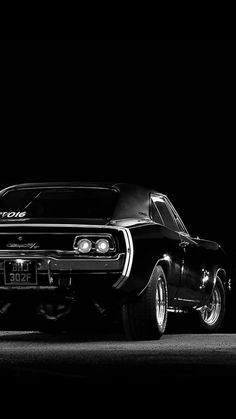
(67, 368)
(69, 356)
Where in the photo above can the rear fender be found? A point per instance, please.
(164, 262)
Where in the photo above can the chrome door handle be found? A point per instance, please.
(183, 244)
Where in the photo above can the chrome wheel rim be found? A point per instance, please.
(161, 301)
(211, 312)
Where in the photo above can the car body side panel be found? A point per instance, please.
(190, 276)
(216, 259)
(202, 260)
(153, 243)
(197, 273)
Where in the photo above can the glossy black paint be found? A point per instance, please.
(185, 267)
(190, 264)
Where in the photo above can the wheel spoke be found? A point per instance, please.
(210, 313)
(160, 301)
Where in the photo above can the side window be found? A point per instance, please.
(154, 213)
(178, 220)
(180, 225)
(165, 212)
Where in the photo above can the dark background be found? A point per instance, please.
(154, 112)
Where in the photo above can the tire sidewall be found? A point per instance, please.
(157, 275)
(139, 316)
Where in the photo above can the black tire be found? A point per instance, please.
(145, 318)
(211, 316)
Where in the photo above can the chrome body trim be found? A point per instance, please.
(128, 260)
(54, 254)
(57, 225)
(54, 264)
(11, 288)
(98, 235)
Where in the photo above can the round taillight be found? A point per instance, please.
(102, 246)
(84, 246)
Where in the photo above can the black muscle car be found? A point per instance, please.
(118, 248)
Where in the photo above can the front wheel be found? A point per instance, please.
(211, 315)
(145, 318)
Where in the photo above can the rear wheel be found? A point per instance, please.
(210, 316)
(146, 317)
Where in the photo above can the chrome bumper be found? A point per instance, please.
(50, 263)
(67, 262)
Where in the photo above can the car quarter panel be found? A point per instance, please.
(153, 243)
(216, 259)
(190, 274)
(203, 259)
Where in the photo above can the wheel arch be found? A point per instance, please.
(211, 315)
(164, 263)
(221, 273)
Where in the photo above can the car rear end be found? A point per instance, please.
(62, 257)
(50, 259)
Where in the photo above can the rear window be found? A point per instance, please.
(59, 203)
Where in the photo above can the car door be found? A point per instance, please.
(189, 290)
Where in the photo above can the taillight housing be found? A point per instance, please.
(84, 246)
(95, 244)
(102, 246)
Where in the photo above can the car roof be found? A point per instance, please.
(133, 202)
(96, 184)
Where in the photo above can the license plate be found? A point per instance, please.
(20, 272)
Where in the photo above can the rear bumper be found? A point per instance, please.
(10, 293)
(66, 269)
(57, 275)
(50, 264)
